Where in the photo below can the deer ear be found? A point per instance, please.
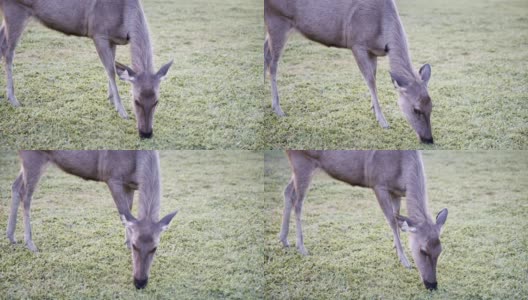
(406, 225)
(399, 82)
(127, 219)
(441, 217)
(425, 73)
(125, 73)
(164, 223)
(162, 73)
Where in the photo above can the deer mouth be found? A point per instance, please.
(145, 135)
(430, 285)
(427, 140)
(140, 283)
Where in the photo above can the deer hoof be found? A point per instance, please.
(383, 123)
(31, 247)
(285, 243)
(406, 263)
(302, 251)
(278, 111)
(122, 114)
(380, 118)
(14, 102)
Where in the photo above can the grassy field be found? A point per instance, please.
(212, 97)
(206, 253)
(351, 254)
(479, 85)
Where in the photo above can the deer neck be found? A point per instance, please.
(397, 47)
(140, 45)
(149, 186)
(416, 193)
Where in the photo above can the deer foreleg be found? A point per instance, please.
(386, 202)
(106, 51)
(367, 64)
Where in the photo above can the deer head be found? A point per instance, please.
(144, 236)
(145, 91)
(415, 103)
(425, 245)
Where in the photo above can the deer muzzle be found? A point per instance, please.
(140, 283)
(430, 285)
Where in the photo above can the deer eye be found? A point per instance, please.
(417, 111)
(135, 247)
(153, 250)
(423, 252)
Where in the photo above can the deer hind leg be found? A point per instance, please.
(15, 20)
(3, 44)
(17, 192)
(367, 64)
(386, 202)
(33, 163)
(303, 169)
(267, 56)
(110, 92)
(289, 197)
(301, 183)
(278, 29)
(106, 51)
(396, 211)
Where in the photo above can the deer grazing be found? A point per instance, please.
(107, 23)
(370, 28)
(392, 175)
(123, 172)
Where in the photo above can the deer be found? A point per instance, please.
(108, 23)
(370, 28)
(124, 172)
(392, 175)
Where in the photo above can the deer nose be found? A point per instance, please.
(145, 135)
(430, 285)
(140, 283)
(427, 140)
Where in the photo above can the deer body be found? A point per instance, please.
(124, 172)
(392, 175)
(370, 28)
(108, 23)
(89, 18)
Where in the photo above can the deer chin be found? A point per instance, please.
(430, 285)
(145, 135)
(426, 140)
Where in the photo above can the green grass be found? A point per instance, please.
(479, 84)
(211, 98)
(351, 253)
(213, 248)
